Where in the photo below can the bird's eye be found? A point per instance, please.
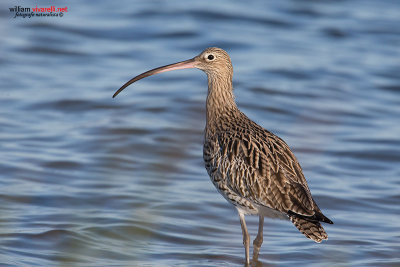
(210, 57)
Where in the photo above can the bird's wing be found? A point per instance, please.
(263, 170)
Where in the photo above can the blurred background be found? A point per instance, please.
(87, 180)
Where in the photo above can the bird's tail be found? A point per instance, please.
(311, 229)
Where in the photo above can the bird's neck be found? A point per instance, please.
(220, 99)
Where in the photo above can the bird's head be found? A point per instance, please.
(213, 61)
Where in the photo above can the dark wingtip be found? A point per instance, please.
(323, 218)
(317, 217)
(327, 221)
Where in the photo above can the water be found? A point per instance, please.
(87, 180)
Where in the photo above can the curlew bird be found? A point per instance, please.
(251, 167)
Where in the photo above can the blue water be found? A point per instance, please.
(87, 180)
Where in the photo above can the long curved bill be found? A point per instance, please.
(187, 64)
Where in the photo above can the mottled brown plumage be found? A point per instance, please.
(252, 168)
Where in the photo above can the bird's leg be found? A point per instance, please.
(259, 239)
(246, 237)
